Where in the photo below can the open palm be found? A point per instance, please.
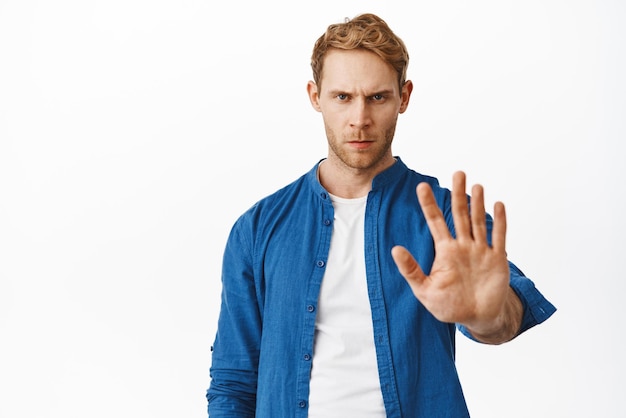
(469, 279)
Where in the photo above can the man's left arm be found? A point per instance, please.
(471, 282)
(535, 308)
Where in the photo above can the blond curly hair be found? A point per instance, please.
(366, 31)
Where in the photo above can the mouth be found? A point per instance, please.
(360, 145)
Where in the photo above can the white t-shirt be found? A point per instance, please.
(344, 375)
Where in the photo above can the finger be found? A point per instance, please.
(460, 212)
(498, 239)
(434, 218)
(407, 265)
(477, 213)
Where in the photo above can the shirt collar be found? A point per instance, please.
(390, 175)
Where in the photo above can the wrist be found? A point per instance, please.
(506, 325)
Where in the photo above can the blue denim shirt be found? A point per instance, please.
(273, 266)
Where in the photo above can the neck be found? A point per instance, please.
(349, 183)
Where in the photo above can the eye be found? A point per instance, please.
(378, 97)
(342, 96)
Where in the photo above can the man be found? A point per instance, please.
(342, 291)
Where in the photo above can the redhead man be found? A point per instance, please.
(343, 291)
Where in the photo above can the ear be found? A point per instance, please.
(406, 95)
(314, 97)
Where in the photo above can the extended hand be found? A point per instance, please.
(469, 279)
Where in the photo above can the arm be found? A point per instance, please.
(235, 352)
(469, 283)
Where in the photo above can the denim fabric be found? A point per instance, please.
(273, 266)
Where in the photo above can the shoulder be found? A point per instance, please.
(409, 177)
(275, 205)
(406, 181)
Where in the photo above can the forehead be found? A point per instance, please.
(357, 69)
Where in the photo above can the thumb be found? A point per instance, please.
(407, 265)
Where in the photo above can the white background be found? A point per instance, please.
(134, 132)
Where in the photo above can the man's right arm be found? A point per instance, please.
(235, 352)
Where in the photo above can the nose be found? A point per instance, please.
(360, 115)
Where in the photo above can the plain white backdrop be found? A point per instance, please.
(133, 133)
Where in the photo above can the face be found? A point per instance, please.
(360, 101)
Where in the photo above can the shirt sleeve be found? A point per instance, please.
(536, 307)
(235, 352)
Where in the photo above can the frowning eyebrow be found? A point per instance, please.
(337, 92)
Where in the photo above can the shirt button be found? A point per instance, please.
(307, 357)
(310, 308)
(327, 222)
(302, 404)
(324, 196)
(320, 263)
